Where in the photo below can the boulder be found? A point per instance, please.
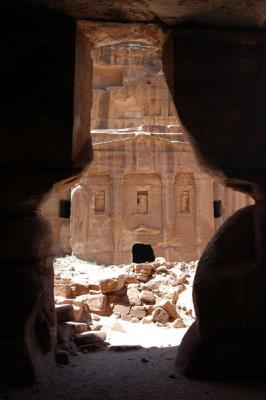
(160, 315)
(62, 290)
(96, 303)
(131, 279)
(79, 289)
(169, 307)
(133, 295)
(112, 284)
(147, 297)
(64, 312)
(126, 317)
(138, 312)
(78, 312)
(121, 309)
(178, 323)
(147, 320)
(62, 300)
(174, 296)
(78, 327)
(150, 309)
(145, 269)
(90, 337)
(96, 327)
(179, 280)
(162, 270)
(65, 335)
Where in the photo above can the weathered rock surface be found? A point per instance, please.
(219, 12)
(113, 284)
(64, 312)
(169, 308)
(138, 312)
(62, 290)
(90, 337)
(96, 302)
(147, 297)
(156, 300)
(160, 315)
(227, 337)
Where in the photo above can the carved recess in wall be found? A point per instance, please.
(99, 201)
(184, 193)
(142, 202)
(185, 210)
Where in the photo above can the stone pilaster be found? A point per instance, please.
(168, 212)
(204, 211)
(116, 212)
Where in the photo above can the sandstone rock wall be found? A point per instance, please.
(130, 88)
(140, 189)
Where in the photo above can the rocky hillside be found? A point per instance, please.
(157, 293)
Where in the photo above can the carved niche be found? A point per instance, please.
(99, 201)
(184, 193)
(184, 202)
(142, 202)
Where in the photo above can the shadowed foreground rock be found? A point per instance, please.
(27, 341)
(227, 339)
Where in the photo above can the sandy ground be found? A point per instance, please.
(146, 373)
(120, 332)
(131, 375)
(120, 373)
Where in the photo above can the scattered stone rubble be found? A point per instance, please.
(157, 293)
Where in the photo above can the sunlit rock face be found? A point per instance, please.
(144, 185)
(140, 188)
(130, 88)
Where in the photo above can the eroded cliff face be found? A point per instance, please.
(129, 87)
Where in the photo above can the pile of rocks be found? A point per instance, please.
(149, 293)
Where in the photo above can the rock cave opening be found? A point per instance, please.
(144, 186)
(142, 253)
(107, 279)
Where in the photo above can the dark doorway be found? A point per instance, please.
(142, 253)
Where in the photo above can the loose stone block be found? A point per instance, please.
(90, 337)
(160, 315)
(138, 312)
(113, 284)
(121, 309)
(96, 302)
(64, 312)
(170, 308)
(147, 297)
(133, 296)
(62, 290)
(79, 289)
(125, 317)
(78, 327)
